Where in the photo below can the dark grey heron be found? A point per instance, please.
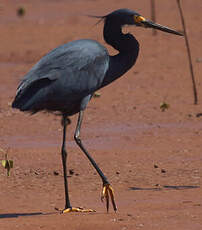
(65, 79)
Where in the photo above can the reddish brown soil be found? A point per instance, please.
(152, 158)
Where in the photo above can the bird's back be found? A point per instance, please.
(63, 77)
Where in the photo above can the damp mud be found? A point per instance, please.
(151, 158)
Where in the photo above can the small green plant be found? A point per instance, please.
(164, 106)
(96, 94)
(21, 11)
(7, 164)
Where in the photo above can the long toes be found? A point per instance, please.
(72, 209)
(108, 193)
(111, 192)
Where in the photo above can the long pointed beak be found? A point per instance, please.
(150, 24)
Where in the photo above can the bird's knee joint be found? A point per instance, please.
(64, 153)
(77, 138)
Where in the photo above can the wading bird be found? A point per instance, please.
(65, 79)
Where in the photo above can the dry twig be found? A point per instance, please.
(153, 15)
(188, 53)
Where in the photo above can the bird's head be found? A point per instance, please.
(123, 17)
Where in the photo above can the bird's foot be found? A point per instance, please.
(72, 209)
(107, 193)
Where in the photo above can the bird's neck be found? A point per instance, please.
(128, 48)
(122, 42)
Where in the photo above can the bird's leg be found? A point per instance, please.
(107, 188)
(68, 207)
(64, 162)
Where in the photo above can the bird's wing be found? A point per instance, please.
(75, 62)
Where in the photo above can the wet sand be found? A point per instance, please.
(152, 158)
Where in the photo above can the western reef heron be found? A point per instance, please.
(65, 79)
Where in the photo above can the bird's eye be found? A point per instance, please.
(138, 18)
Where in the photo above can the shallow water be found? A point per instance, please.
(105, 137)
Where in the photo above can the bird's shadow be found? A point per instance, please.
(16, 215)
(180, 187)
(167, 187)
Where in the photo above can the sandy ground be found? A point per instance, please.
(152, 158)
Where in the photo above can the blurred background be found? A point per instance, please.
(124, 126)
